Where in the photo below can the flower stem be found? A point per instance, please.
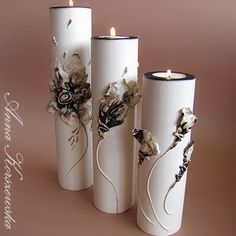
(144, 214)
(140, 204)
(86, 149)
(148, 186)
(166, 196)
(104, 175)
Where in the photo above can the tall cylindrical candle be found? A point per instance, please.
(71, 94)
(166, 122)
(114, 69)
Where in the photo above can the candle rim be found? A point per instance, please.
(61, 7)
(117, 37)
(149, 75)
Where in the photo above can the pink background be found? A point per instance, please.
(185, 35)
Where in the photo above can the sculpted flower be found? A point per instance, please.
(118, 98)
(115, 90)
(69, 90)
(148, 146)
(60, 73)
(132, 94)
(187, 120)
(75, 68)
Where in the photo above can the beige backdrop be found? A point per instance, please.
(185, 35)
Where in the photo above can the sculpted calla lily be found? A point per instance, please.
(118, 98)
(148, 146)
(186, 122)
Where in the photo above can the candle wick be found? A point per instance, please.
(169, 74)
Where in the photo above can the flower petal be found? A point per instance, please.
(133, 86)
(148, 146)
(75, 68)
(134, 100)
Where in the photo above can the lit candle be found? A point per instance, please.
(167, 98)
(114, 58)
(71, 28)
(71, 3)
(113, 32)
(169, 75)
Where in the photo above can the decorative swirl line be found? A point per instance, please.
(104, 174)
(86, 148)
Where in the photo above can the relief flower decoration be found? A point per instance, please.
(71, 97)
(70, 93)
(148, 146)
(182, 169)
(118, 98)
(186, 121)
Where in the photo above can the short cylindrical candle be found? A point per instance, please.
(70, 94)
(167, 97)
(114, 61)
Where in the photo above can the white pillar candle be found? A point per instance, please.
(160, 197)
(71, 103)
(114, 58)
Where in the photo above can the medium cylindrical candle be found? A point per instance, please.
(165, 152)
(114, 69)
(71, 94)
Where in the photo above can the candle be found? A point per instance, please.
(114, 81)
(165, 150)
(71, 94)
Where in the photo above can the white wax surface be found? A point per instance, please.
(71, 30)
(110, 58)
(173, 75)
(162, 102)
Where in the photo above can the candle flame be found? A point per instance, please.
(169, 74)
(71, 3)
(113, 32)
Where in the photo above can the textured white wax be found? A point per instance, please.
(71, 34)
(116, 152)
(162, 101)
